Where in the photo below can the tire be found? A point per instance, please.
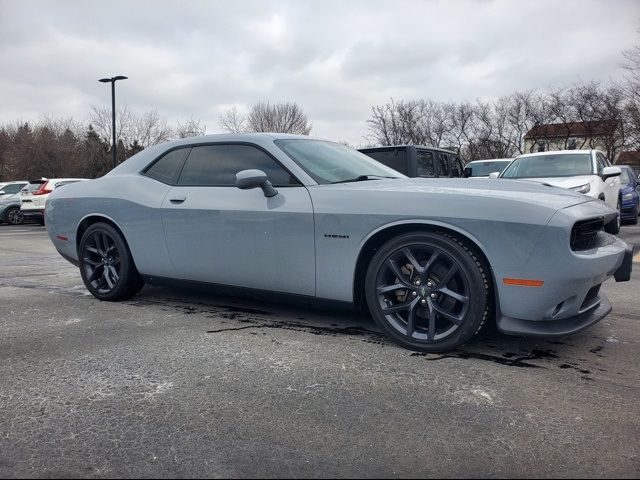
(440, 315)
(613, 227)
(106, 265)
(13, 216)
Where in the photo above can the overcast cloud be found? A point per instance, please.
(336, 59)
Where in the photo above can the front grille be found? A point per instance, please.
(592, 296)
(585, 233)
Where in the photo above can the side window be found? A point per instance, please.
(600, 162)
(456, 167)
(425, 164)
(167, 168)
(396, 159)
(443, 165)
(11, 189)
(217, 165)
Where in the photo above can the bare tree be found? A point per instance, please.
(232, 121)
(100, 119)
(283, 117)
(148, 129)
(460, 120)
(190, 128)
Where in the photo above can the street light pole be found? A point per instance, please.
(113, 81)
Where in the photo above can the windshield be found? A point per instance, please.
(328, 162)
(550, 165)
(484, 169)
(625, 178)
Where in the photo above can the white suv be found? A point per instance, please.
(34, 196)
(584, 171)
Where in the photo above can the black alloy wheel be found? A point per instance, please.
(106, 265)
(428, 291)
(14, 216)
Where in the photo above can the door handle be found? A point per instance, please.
(178, 199)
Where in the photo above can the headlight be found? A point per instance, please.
(582, 188)
(627, 197)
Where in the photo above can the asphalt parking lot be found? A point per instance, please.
(179, 384)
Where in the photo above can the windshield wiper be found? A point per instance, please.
(362, 178)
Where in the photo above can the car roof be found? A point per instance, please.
(491, 160)
(369, 149)
(557, 152)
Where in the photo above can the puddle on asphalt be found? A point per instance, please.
(246, 318)
(249, 318)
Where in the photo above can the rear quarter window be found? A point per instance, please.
(167, 168)
(392, 158)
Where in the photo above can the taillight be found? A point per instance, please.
(43, 190)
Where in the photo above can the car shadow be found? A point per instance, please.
(579, 353)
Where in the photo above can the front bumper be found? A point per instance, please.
(567, 300)
(629, 210)
(557, 328)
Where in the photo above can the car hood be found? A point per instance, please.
(626, 189)
(563, 182)
(518, 190)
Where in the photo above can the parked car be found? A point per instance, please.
(583, 171)
(34, 196)
(630, 195)
(484, 168)
(9, 189)
(10, 202)
(313, 220)
(418, 161)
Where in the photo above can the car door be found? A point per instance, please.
(611, 186)
(217, 233)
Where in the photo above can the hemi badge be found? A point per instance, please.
(62, 237)
(521, 282)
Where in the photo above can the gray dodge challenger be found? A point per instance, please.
(432, 259)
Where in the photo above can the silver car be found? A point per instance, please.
(299, 217)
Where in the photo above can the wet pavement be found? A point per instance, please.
(176, 383)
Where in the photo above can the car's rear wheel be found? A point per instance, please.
(13, 216)
(106, 265)
(428, 291)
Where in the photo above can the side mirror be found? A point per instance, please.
(2, 192)
(608, 172)
(494, 175)
(638, 188)
(467, 172)
(248, 179)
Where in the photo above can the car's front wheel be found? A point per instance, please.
(14, 216)
(106, 265)
(428, 291)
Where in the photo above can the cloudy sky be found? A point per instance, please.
(336, 59)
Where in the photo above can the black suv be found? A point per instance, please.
(418, 161)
